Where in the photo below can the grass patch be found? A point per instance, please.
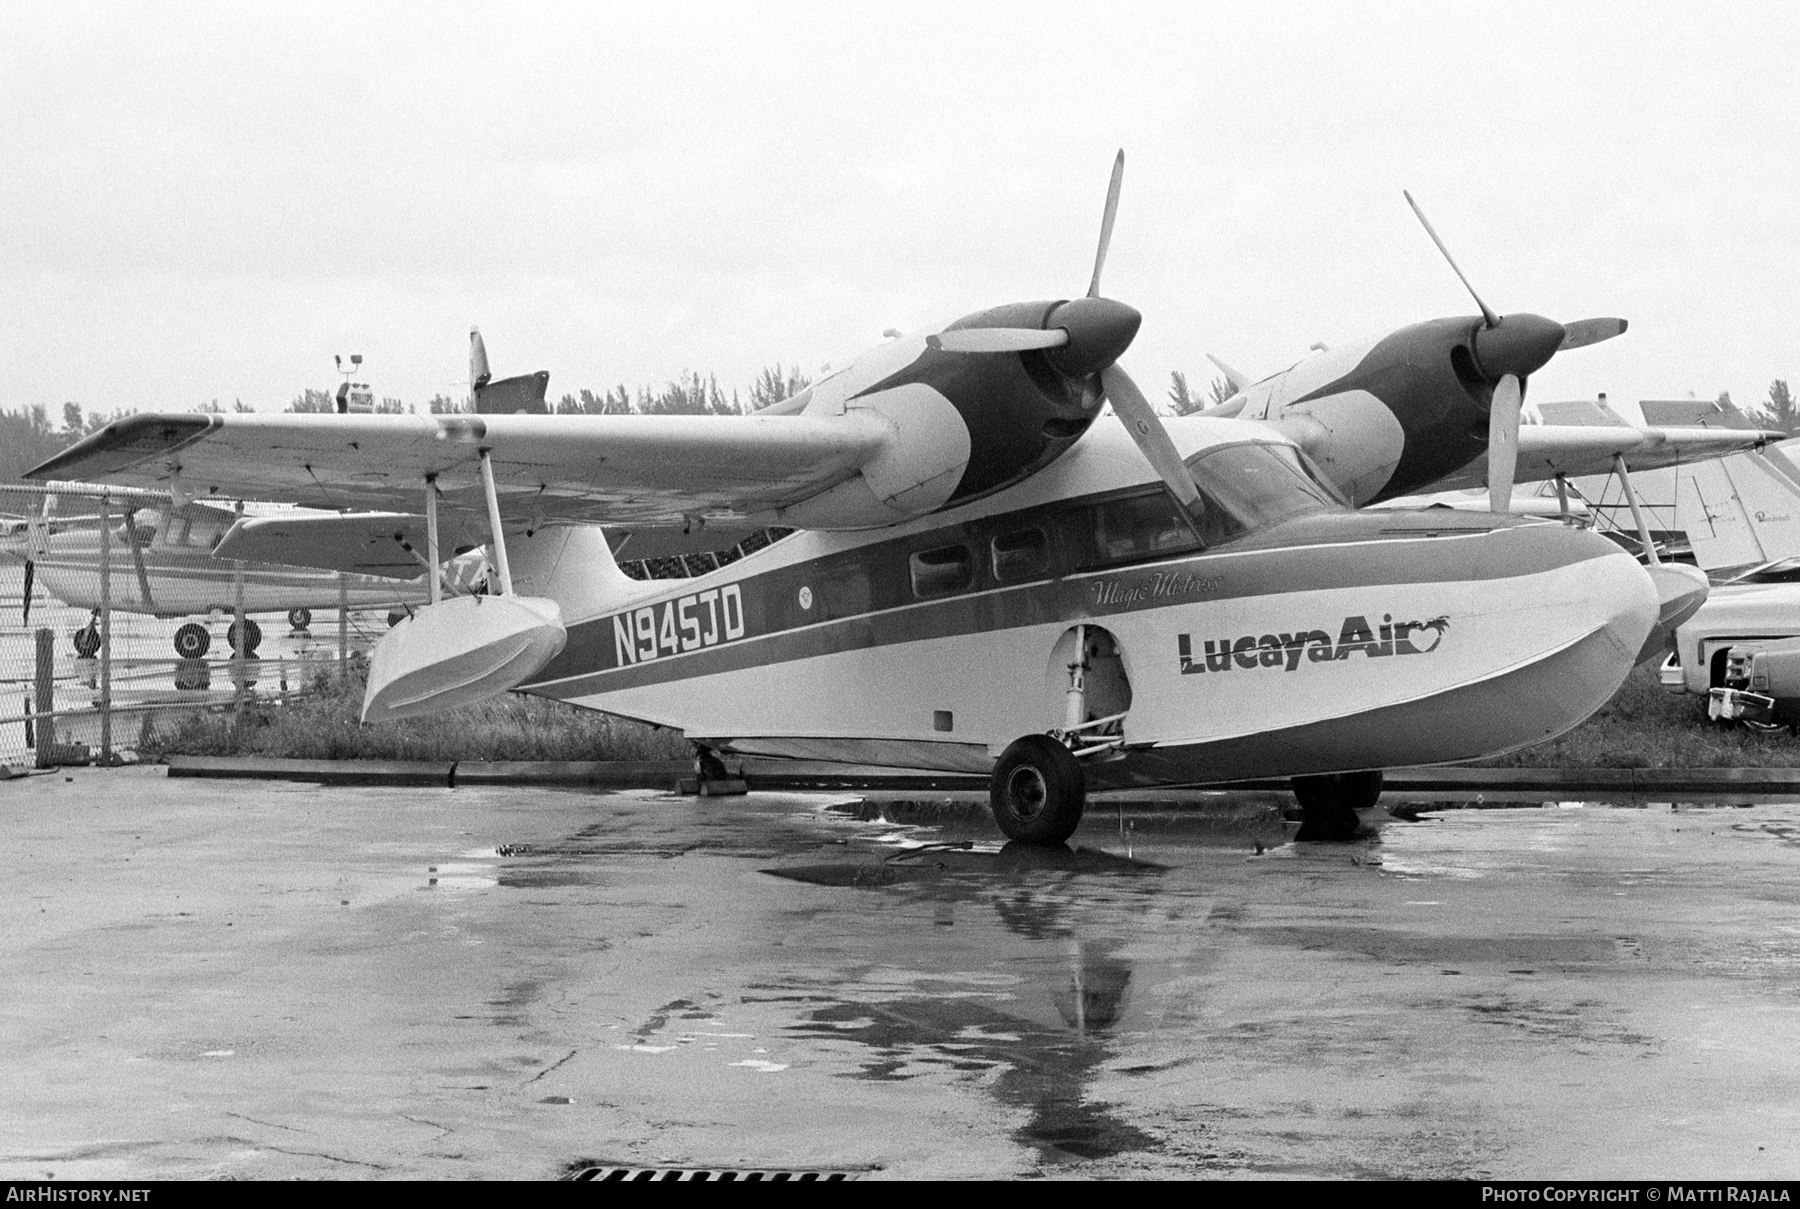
(1643, 726)
(320, 723)
(1647, 726)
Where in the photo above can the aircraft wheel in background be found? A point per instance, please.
(192, 674)
(1038, 791)
(192, 640)
(1329, 803)
(87, 640)
(299, 619)
(252, 636)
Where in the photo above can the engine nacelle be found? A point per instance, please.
(966, 424)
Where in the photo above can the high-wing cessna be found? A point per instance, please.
(990, 575)
(159, 560)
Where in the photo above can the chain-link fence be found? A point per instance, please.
(116, 620)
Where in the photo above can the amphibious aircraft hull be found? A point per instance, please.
(1329, 644)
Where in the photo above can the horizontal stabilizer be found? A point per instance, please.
(523, 395)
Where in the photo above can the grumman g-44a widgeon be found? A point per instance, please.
(990, 575)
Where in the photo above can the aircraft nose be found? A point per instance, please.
(1518, 344)
(1100, 330)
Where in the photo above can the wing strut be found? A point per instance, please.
(1637, 513)
(493, 507)
(431, 535)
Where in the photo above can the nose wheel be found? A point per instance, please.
(1038, 791)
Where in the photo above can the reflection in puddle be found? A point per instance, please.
(1034, 1028)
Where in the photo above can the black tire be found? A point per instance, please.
(87, 641)
(1038, 791)
(252, 636)
(1329, 803)
(192, 641)
(299, 619)
(192, 674)
(1339, 790)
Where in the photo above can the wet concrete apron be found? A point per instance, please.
(264, 980)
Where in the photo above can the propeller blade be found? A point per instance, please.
(997, 339)
(137, 555)
(1106, 222)
(1487, 314)
(1503, 443)
(30, 573)
(1584, 332)
(1146, 428)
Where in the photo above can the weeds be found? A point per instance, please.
(1643, 726)
(320, 723)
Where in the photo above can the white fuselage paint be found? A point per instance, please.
(993, 684)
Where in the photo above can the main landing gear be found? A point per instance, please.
(1039, 787)
(1328, 804)
(1038, 791)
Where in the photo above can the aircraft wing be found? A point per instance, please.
(613, 470)
(362, 543)
(1550, 450)
(1547, 450)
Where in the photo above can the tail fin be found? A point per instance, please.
(572, 565)
(520, 395)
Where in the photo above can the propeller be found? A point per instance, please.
(137, 554)
(1507, 349)
(30, 574)
(997, 339)
(1140, 419)
(1090, 333)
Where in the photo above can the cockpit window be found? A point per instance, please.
(1256, 485)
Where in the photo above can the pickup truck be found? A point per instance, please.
(1742, 649)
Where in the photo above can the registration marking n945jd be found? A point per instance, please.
(685, 623)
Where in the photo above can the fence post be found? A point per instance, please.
(240, 644)
(105, 630)
(46, 696)
(343, 627)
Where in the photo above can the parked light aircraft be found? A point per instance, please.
(159, 556)
(990, 575)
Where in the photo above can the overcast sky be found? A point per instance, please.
(202, 202)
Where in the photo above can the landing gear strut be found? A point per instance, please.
(1328, 804)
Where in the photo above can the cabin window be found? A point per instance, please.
(1021, 554)
(1140, 526)
(943, 570)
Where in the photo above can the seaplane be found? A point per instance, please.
(157, 551)
(991, 572)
